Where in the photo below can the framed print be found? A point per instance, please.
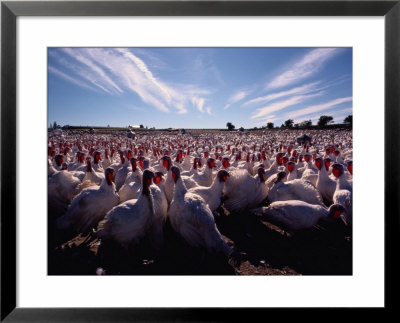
(213, 96)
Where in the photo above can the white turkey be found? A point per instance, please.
(186, 164)
(295, 215)
(106, 160)
(344, 193)
(297, 189)
(243, 191)
(291, 167)
(310, 172)
(325, 185)
(50, 168)
(91, 177)
(97, 166)
(213, 194)
(128, 222)
(79, 164)
(193, 170)
(191, 217)
(62, 187)
(273, 169)
(122, 172)
(131, 188)
(206, 177)
(169, 182)
(90, 205)
(160, 210)
(248, 165)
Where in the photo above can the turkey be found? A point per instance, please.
(310, 172)
(297, 189)
(128, 222)
(136, 174)
(212, 195)
(248, 165)
(325, 185)
(205, 178)
(121, 173)
(295, 215)
(160, 210)
(91, 177)
(169, 182)
(116, 165)
(97, 166)
(338, 157)
(186, 164)
(50, 168)
(90, 205)
(191, 217)
(130, 189)
(344, 193)
(193, 170)
(62, 187)
(273, 169)
(58, 161)
(291, 167)
(244, 191)
(106, 160)
(79, 165)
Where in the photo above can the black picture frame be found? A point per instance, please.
(10, 10)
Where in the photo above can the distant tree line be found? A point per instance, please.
(322, 122)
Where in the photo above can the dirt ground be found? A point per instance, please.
(259, 248)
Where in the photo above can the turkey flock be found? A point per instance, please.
(122, 190)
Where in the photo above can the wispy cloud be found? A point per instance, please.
(198, 103)
(307, 66)
(277, 106)
(208, 109)
(66, 77)
(181, 108)
(96, 74)
(238, 96)
(149, 75)
(319, 107)
(264, 121)
(118, 71)
(307, 88)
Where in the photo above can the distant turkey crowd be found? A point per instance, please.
(124, 189)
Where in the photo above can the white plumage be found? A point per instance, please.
(297, 189)
(212, 195)
(325, 185)
(344, 193)
(294, 215)
(90, 205)
(191, 217)
(63, 186)
(244, 191)
(131, 220)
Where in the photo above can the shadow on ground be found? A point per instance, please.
(259, 248)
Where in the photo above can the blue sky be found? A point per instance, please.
(198, 87)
